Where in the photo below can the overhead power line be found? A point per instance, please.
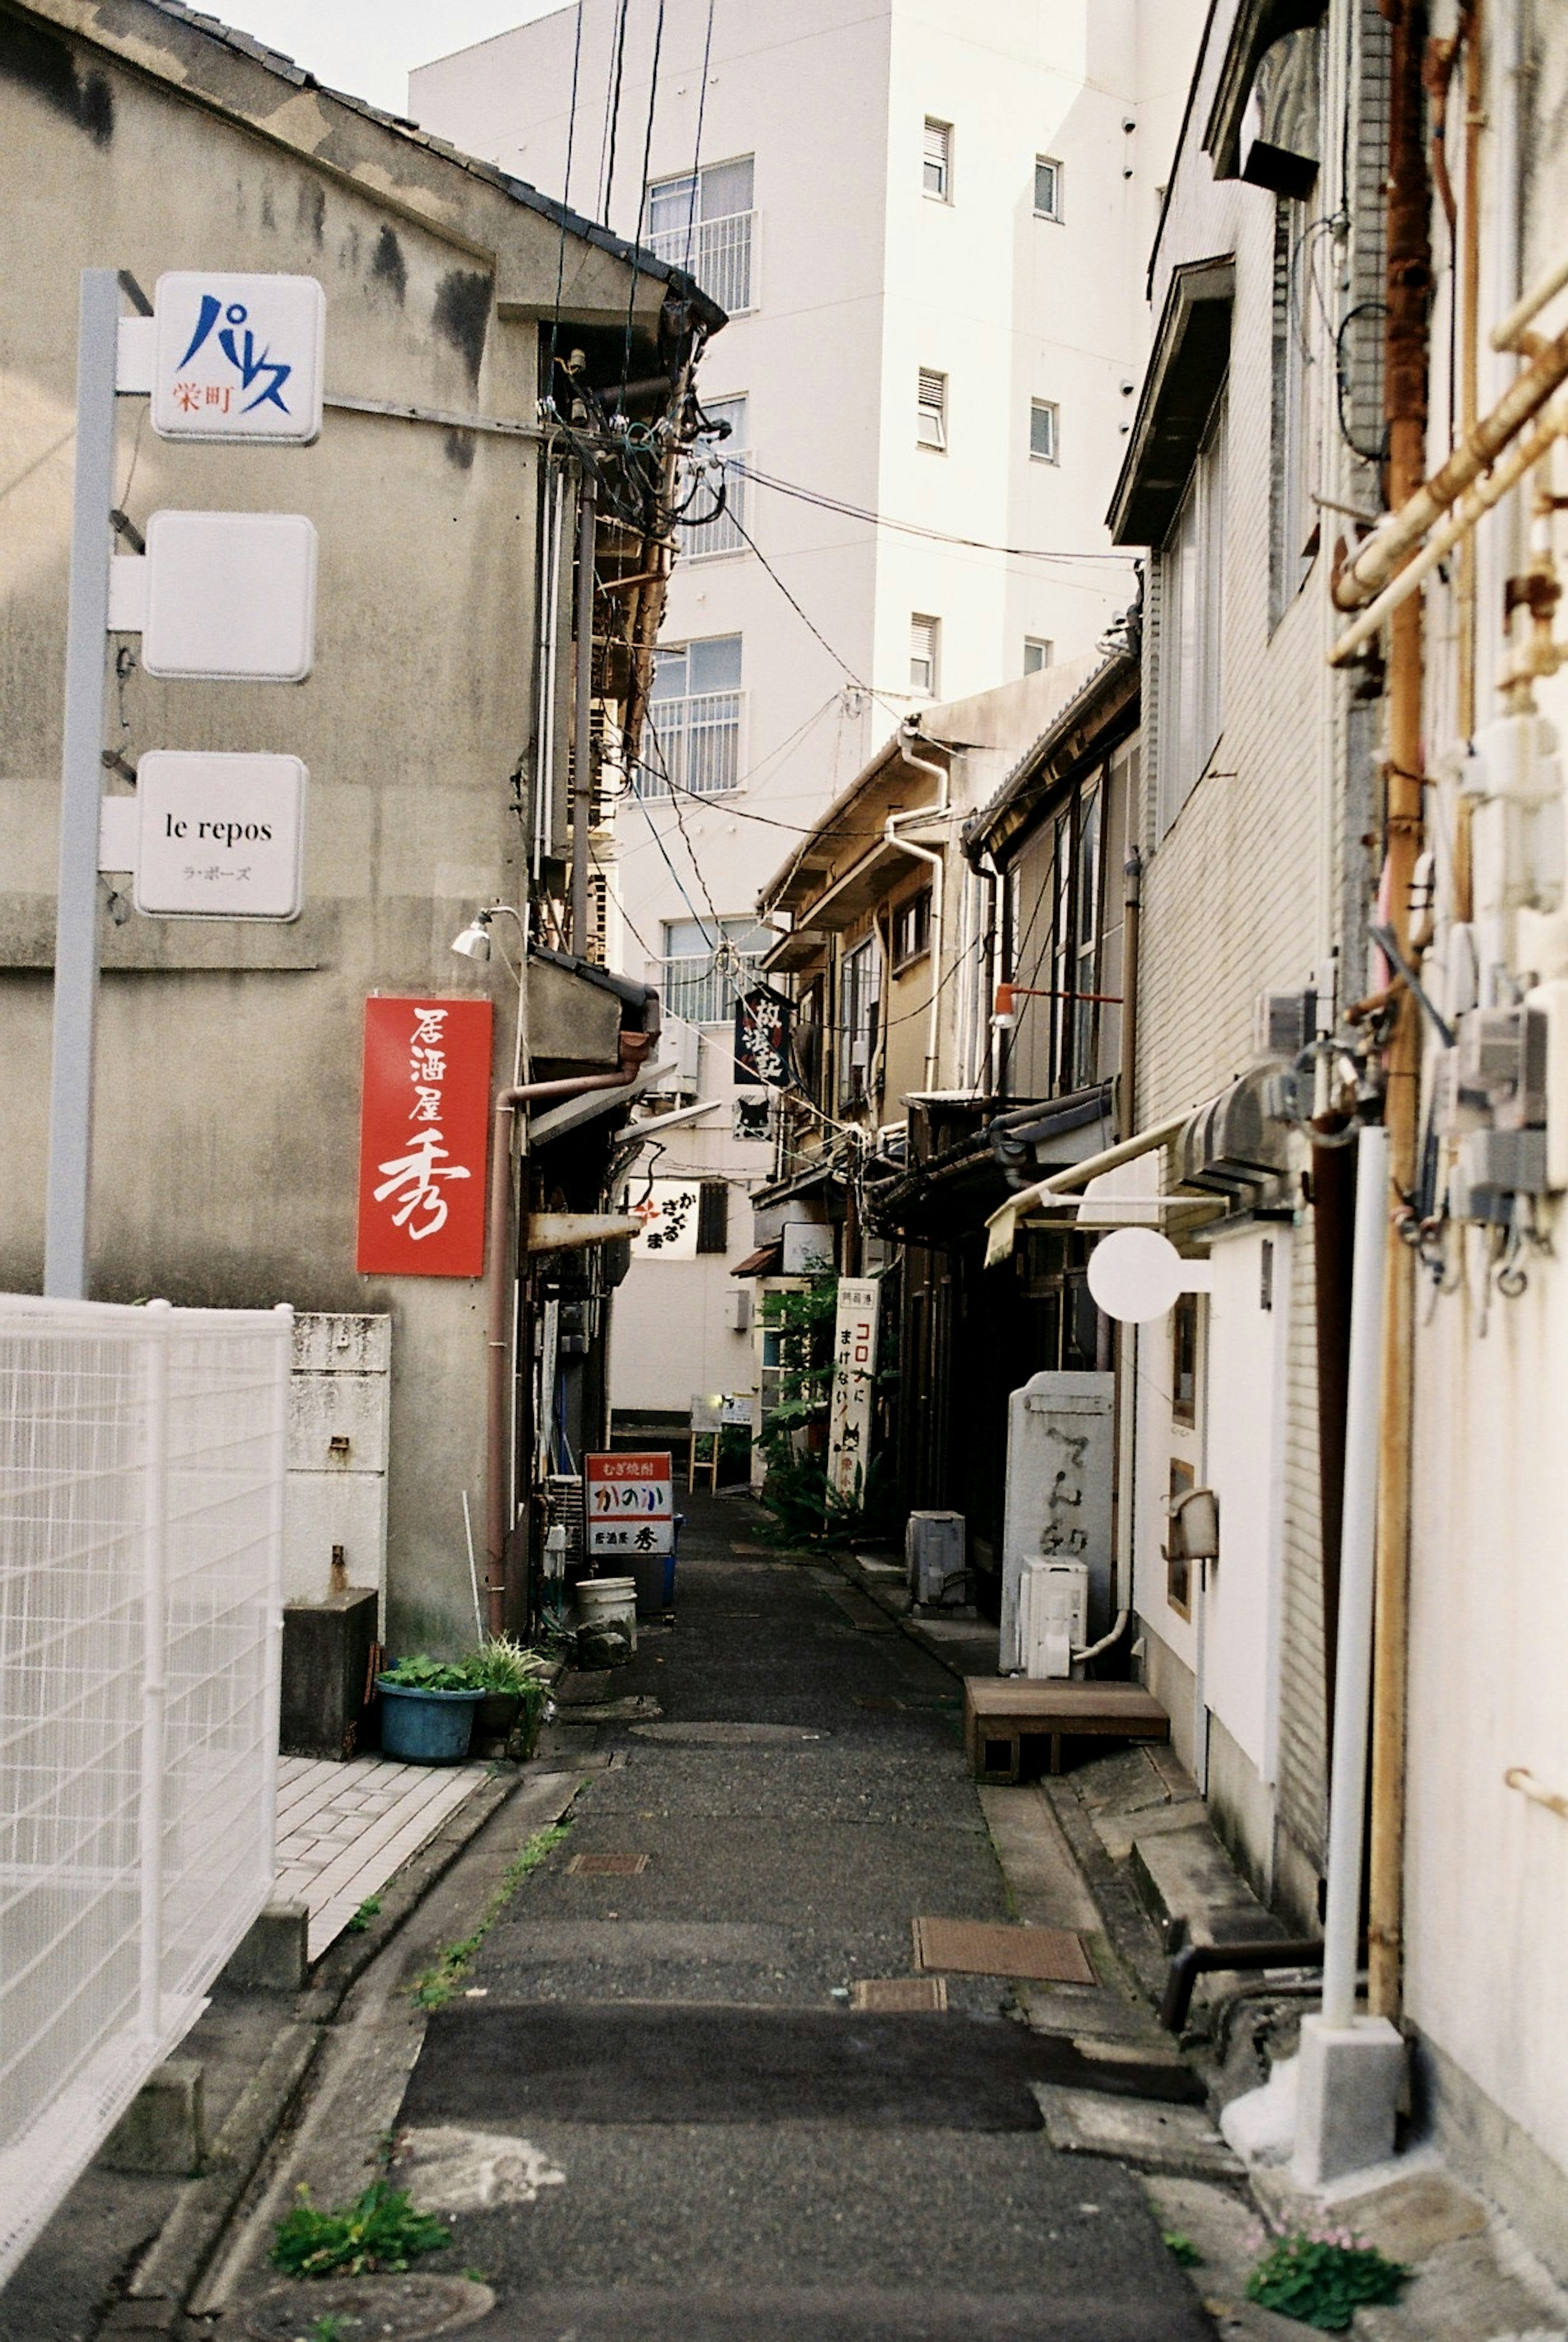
(913, 528)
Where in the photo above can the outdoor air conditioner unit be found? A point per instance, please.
(934, 1557)
(1052, 1615)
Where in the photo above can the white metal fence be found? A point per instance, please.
(142, 1460)
(691, 743)
(718, 254)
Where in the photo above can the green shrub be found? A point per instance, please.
(379, 2230)
(422, 1673)
(501, 1665)
(1323, 2280)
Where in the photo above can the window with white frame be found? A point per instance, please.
(1192, 627)
(715, 470)
(702, 221)
(931, 409)
(924, 646)
(1047, 188)
(1045, 437)
(691, 741)
(912, 930)
(937, 168)
(860, 988)
(1037, 653)
(707, 963)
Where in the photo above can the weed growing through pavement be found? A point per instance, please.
(1322, 2279)
(436, 1985)
(380, 2229)
(327, 2329)
(1181, 2248)
(356, 1927)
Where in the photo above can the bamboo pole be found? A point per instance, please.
(1408, 287)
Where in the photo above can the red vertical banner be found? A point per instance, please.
(423, 1137)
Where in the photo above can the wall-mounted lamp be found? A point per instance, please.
(474, 943)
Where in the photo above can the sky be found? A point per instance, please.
(368, 48)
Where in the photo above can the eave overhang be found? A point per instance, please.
(1186, 369)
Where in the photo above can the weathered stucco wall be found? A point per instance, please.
(229, 1057)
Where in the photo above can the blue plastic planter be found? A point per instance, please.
(425, 1727)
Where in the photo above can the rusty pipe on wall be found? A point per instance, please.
(634, 1047)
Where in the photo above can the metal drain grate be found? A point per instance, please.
(608, 1866)
(900, 1996)
(970, 1948)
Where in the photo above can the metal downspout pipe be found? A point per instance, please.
(583, 721)
(908, 732)
(634, 1047)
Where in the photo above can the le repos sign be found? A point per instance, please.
(237, 358)
(219, 837)
(630, 1504)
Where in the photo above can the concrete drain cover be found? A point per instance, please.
(608, 1866)
(368, 2308)
(729, 1736)
(909, 1996)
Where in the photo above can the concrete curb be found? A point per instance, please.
(185, 2246)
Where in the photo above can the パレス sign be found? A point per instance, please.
(630, 1504)
(425, 1126)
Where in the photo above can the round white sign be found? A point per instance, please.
(1135, 1275)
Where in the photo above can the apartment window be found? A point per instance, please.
(912, 930)
(703, 221)
(931, 410)
(937, 166)
(712, 1216)
(1037, 654)
(1047, 188)
(924, 641)
(1192, 628)
(1043, 432)
(706, 964)
(860, 988)
(717, 464)
(692, 740)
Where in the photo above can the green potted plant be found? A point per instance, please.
(427, 1708)
(514, 1682)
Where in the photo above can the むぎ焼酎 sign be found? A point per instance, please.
(425, 1126)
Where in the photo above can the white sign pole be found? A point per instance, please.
(76, 944)
(854, 1381)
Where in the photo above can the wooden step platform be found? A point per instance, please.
(1001, 1712)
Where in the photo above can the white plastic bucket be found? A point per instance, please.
(609, 1603)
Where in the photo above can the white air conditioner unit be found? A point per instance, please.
(1052, 1615)
(934, 1557)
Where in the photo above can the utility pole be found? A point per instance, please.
(76, 943)
(1408, 289)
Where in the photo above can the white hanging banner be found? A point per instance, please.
(237, 358)
(854, 1382)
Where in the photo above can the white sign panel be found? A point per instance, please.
(630, 1503)
(854, 1382)
(219, 837)
(227, 597)
(238, 358)
(667, 1218)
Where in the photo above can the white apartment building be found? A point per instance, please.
(930, 225)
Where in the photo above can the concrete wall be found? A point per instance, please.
(228, 1057)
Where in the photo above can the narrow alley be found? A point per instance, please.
(653, 2068)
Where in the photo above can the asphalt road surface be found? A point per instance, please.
(660, 2115)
